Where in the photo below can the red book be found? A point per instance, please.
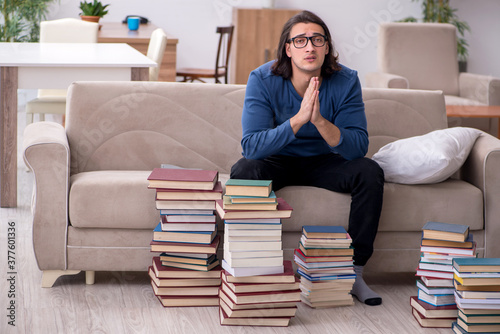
(430, 311)
(284, 210)
(190, 194)
(261, 297)
(185, 247)
(261, 287)
(312, 259)
(268, 322)
(288, 276)
(432, 322)
(183, 178)
(162, 271)
(188, 301)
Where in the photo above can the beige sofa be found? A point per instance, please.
(92, 210)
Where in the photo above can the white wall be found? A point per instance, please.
(353, 25)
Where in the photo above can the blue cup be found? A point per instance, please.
(133, 23)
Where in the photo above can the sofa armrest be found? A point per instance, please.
(386, 80)
(482, 169)
(482, 88)
(46, 153)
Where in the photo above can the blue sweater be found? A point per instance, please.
(271, 101)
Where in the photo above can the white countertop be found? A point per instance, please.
(72, 54)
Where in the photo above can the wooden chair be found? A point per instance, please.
(221, 62)
(156, 50)
(67, 30)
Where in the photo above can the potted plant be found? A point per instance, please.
(440, 11)
(92, 11)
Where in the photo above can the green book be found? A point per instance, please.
(240, 187)
(467, 265)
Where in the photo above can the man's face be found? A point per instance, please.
(310, 58)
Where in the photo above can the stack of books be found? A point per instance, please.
(252, 228)
(187, 270)
(477, 294)
(441, 243)
(259, 287)
(263, 300)
(325, 264)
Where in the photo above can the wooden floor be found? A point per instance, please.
(123, 302)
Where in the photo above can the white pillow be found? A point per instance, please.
(429, 158)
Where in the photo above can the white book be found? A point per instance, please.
(309, 265)
(252, 245)
(251, 238)
(449, 251)
(252, 271)
(186, 212)
(190, 218)
(247, 227)
(435, 266)
(479, 274)
(254, 262)
(195, 255)
(249, 254)
(209, 227)
(254, 221)
(483, 303)
(436, 282)
(435, 291)
(251, 233)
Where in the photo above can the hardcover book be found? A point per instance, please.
(258, 313)
(198, 237)
(239, 187)
(251, 271)
(189, 301)
(445, 231)
(431, 311)
(254, 306)
(163, 246)
(262, 297)
(268, 322)
(284, 210)
(326, 232)
(432, 322)
(286, 276)
(477, 264)
(188, 194)
(183, 178)
(172, 272)
(178, 282)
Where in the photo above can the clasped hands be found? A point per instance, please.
(309, 108)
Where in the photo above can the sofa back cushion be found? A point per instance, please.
(141, 125)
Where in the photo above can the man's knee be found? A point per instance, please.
(245, 169)
(372, 172)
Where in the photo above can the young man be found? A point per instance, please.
(304, 124)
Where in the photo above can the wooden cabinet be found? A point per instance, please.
(255, 40)
(117, 32)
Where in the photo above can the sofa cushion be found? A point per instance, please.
(405, 208)
(428, 158)
(112, 199)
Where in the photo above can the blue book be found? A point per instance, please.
(445, 231)
(197, 237)
(324, 232)
(476, 264)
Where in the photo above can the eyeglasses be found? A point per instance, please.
(301, 41)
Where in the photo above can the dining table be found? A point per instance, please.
(54, 66)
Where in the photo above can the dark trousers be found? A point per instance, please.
(362, 178)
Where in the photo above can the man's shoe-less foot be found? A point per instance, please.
(361, 291)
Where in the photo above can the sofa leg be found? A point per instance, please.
(89, 277)
(49, 277)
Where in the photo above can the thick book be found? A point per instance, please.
(165, 219)
(482, 318)
(186, 212)
(268, 322)
(469, 243)
(317, 265)
(185, 290)
(164, 246)
(198, 237)
(252, 199)
(254, 306)
(191, 226)
(432, 322)
(251, 271)
(239, 187)
(478, 304)
(260, 287)
(477, 264)
(326, 243)
(258, 313)
(326, 251)
(251, 233)
(248, 223)
(178, 282)
(435, 266)
(431, 311)
(252, 254)
(312, 259)
(477, 328)
(189, 301)
(187, 205)
(187, 259)
(348, 301)
(445, 231)
(254, 261)
(284, 210)
(477, 281)
(479, 294)
(324, 232)
(183, 178)
(460, 287)
(190, 266)
(436, 300)
(436, 282)
(261, 297)
(227, 205)
(435, 290)
(251, 238)
(286, 276)
(252, 245)
(450, 251)
(435, 274)
(187, 194)
(172, 272)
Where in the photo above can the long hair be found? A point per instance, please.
(283, 64)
